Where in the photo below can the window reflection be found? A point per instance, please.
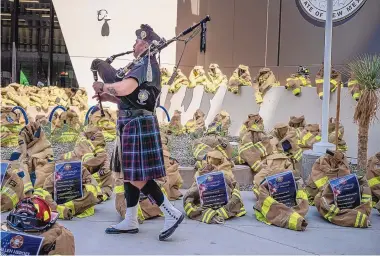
(33, 51)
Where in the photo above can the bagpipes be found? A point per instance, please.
(111, 75)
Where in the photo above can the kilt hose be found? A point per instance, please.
(141, 148)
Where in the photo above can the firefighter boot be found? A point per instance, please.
(129, 225)
(173, 217)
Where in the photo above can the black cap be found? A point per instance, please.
(147, 34)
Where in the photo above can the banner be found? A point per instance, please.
(282, 187)
(20, 244)
(212, 189)
(68, 181)
(4, 168)
(346, 191)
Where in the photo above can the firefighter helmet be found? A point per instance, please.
(32, 214)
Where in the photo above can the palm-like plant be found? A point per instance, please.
(366, 70)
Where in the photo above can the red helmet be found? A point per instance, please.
(32, 214)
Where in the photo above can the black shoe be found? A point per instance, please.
(166, 234)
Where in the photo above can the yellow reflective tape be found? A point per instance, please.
(205, 215)
(28, 186)
(11, 194)
(189, 210)
(210, 215)
(330, 212)
(199, 148)
(318, 138)
(60, 209)
(364, 216)
(366, 198)
(297, 91)
(71, 206)
(306, 137)
(256, 190)
(91, 145)
(266, 205)
(221, 149)
(320, 94)
(352, 82)
(140, 212)
(289, 79)
(319, 81)
(224, 212)
(87, 157)
(67, 155)
(256, 166)
(374, 181)
(41, 192)
(334, 82)
(298, 155)
(321, 182)
(46, 215)
(260, 147)
(187, 206)
(358, 219)
(245, 147)
(98, 150)
(356, 95)
(92, 189)
(298, 133)
(293, 220)
(301, 194)
(242, 212)
(237, 195)
(119, 189)
(96, 176)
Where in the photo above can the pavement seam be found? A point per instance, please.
(245, 232)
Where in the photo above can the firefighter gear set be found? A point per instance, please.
(335, 81)
(263, 82)
(81, 207)
(35, 161)
(217, 78)
(165, 76)
(80, 100)
(196, 126)
(34, 216)
(66, 127)
(12, 189)
(198, 77)
(298, 80)
(106, 123)
(90, 148)
(9, 127)
(269, 211)
(175, 125)
(254, 121)
(240, 77)
(220, 124)
(179, 81)
(373, 177)
(284, 139)
(208, 143)
(357, 217)
(325, 168)
(271, 165)
(253, 148)
(342, 145)
(297, 122)
(354, 88)
(215, 161)
(310, 135)
(5, 100)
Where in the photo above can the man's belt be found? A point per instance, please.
(134, 113)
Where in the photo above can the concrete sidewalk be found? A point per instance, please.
(243, 235)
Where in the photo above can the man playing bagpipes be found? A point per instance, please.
(138, 153)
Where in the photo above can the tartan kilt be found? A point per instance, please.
(141, 148)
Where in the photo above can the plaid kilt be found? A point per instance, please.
(141, 148)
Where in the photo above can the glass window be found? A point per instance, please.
(33, 46)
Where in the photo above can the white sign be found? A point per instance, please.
(342, 9)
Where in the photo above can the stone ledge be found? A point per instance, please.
(243, 175)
